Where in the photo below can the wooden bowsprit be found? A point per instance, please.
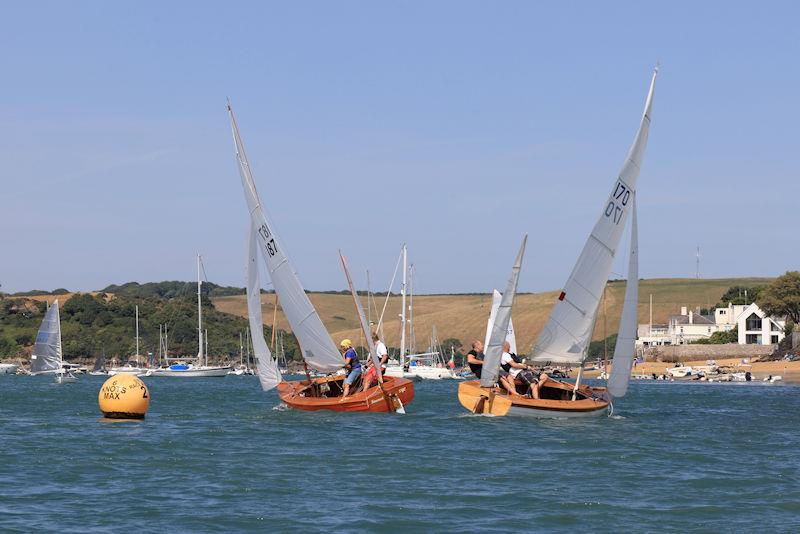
(376, 364)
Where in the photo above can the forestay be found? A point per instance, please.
(494, 349)
(47, 355)
(316, 345)
(266, 366)
(567, 333)
(626, 338)
(510, 337)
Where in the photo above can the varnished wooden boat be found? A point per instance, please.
(326, 394)
(556, 400)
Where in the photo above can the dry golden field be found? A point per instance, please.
(464, 316)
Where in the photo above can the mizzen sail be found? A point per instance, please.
(567, 333)
(315, 342)
(494, 349)
(626, 337)
(266, 366)
(47, 355)
(510, 337)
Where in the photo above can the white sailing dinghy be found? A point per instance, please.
(48, 356)
(316, 346)
(566, 336)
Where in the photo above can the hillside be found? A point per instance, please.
(464, 316)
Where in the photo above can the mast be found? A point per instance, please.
(199, 316)
(205, 338)
(413, 344)
(274, 320)
(403, 308)
(241, 350)
(137, 332)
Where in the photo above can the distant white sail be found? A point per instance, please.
(47, 355)
(567, 333)
(494, 349)
(316, 345)
(510, 337)
(626, 337)
(266, 366)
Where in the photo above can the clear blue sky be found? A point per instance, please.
(454, 126)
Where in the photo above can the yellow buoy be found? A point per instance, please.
(124, 396)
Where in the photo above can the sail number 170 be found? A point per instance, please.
(272, 248)
(619, 199)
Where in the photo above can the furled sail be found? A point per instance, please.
(315, 343)
(626, 337)
(510, 337)
(266, 366)
(494, 349)
(47, 354)
(567, 333)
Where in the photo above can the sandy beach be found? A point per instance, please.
(790, 371)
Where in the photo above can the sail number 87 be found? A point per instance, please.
(272, 248)
(619, 199)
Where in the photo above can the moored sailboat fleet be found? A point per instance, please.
(334, 381)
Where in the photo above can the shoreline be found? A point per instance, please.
(789, 371)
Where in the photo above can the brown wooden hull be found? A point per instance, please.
(556, 400)
(325, 394)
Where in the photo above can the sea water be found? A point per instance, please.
(220, 455)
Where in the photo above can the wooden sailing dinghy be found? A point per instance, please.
(566, 336)
(317, 348)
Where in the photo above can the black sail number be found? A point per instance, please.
(619, 200)
(272, 248)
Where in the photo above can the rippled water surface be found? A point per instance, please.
(220, 455)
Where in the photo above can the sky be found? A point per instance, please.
(454, 126)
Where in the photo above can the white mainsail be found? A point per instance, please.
(626, 337)
(510, 336)
(494, 349)
(47, 355)
(316, 345)
(567, 333)
(266, 366)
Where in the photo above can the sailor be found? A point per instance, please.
(475, 357)
(510, 367)
(383, 355)
(351, 364)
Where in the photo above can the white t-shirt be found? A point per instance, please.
(506, 359)
(380, 350)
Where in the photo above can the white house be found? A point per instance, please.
(756, 328)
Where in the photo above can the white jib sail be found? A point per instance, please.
(47, 355)
(316, 345)
(567, 333)
(363, 319)
(626, 337)
(266, 366)
(510, 337)
(494, 349)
